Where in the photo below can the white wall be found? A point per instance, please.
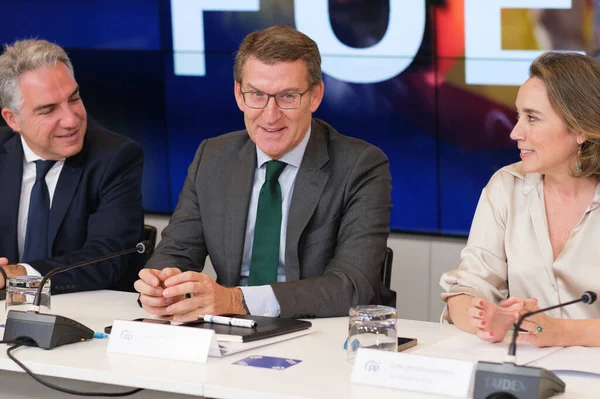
(419, 261)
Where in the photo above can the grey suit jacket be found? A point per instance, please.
(338, 222)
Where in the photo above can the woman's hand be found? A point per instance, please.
(493, 321)
(543, 330)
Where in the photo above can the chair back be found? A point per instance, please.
(386, 274)
(137, 261)
(386, 268)
(150, 234)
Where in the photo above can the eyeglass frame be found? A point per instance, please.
(243, 93)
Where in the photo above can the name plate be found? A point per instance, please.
(412, 372)
(163, 341)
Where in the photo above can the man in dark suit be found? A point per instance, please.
(70, 192)
(294, 216)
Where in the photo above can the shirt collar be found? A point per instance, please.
(596, 200)
(532, 180)
(293, 157)
(31, 156)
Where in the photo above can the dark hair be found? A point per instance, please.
(279, 43)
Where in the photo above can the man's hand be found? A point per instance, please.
(151, 286)
(208, 297)
(10, 270)
(3, 262)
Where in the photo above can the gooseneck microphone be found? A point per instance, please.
(48, 331)
(500, 380)
(141, 247)
(588, 297)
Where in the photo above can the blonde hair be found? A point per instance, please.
(573, 85)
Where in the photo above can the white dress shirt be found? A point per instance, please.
(29, 174)
(261, 300)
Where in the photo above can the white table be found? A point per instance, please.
(323, 372)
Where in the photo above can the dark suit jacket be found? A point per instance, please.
(338, 222)
(96, 209)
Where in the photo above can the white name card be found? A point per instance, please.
(412, 372)
(162, 341)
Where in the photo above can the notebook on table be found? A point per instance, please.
(266, 327)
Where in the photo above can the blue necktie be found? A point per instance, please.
(36, 237)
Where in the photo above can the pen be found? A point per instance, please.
(230, 321)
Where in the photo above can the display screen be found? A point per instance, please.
(432, 83)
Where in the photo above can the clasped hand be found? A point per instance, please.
(493, 321)
(163, 293)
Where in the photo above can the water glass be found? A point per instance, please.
(372, 326)
(21, 291)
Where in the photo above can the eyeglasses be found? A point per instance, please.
(285, 100)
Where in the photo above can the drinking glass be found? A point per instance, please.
(21, 291)
(372, 326)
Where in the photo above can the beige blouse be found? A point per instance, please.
(509, 251)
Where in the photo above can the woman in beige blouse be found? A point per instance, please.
(535, 237)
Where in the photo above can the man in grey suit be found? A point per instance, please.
(294, 216)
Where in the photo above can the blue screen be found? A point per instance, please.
(444, 138)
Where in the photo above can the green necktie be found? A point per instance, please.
(267, 229)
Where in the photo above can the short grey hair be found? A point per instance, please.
(23, 56)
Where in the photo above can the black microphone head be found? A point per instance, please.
(589, 297)
(143, 247)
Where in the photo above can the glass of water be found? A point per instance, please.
(21, 291)
(372, 326)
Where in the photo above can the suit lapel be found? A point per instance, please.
(63, 194)
(237, 200)
(11, 176)
(309, 185)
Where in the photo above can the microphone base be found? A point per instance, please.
(501, 380)
(44, 330)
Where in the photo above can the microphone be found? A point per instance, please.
(49, 331)
(507, 380)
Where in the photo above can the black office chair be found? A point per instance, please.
(150, 233)
(137, 261)
(386, 268)
(386, 274)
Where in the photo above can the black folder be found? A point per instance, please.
(266, 327)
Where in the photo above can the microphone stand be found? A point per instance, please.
(38, 294)
(48, 331)
(508, 380)
(512, 349)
